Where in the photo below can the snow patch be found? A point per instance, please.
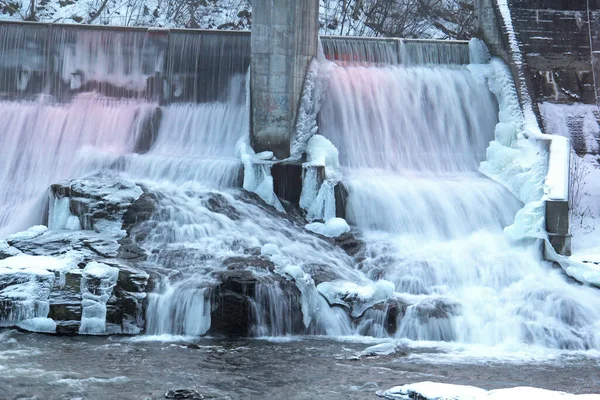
(29, 234)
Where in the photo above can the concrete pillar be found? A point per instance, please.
(557, 226)
(284, 41)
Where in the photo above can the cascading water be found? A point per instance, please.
(435, 264)
(410, 139)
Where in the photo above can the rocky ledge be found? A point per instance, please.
(97, 269)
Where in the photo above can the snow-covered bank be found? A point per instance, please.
(445, 391)
(579, 123)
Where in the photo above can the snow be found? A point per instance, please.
(557, 181)
(579, 123)
(434, 391)
(446, 391)
(30, 233)
(321, 152)
(334, 227)
(97, 283)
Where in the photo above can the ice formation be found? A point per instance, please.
(97, 282)
(26, 282)
(319, 200)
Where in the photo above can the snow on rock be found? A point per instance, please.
(30, 233)
(101, 200)
(97, 284)
(433, 391)
(446, 391)
(357, 297)
(7, 250)
(335, 227)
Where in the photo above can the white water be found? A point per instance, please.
(410, 142)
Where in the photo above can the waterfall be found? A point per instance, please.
(411, 125)
(410, 139)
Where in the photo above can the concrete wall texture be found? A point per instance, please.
(284, 41)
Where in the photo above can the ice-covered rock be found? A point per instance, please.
(25, 286)
(355, 296)
(30, 233)
(98, 201)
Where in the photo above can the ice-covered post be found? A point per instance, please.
(284, 40)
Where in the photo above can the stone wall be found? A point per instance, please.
(559, 41)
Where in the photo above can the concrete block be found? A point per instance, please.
(557, 217)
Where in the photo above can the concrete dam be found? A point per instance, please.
(190, 183)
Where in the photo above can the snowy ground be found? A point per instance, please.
(579, 122)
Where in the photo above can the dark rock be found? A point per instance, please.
(350, 244)
(217, 203)
(437, 308)
(239, 290)
(183, 394)
(239, 263)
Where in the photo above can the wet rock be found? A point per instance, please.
(350, 244)
(86, 245)
(436, 308)
(183, 394)
(217, 203)
(241, 291)
(240, 263)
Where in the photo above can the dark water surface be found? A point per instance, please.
(49, 367)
